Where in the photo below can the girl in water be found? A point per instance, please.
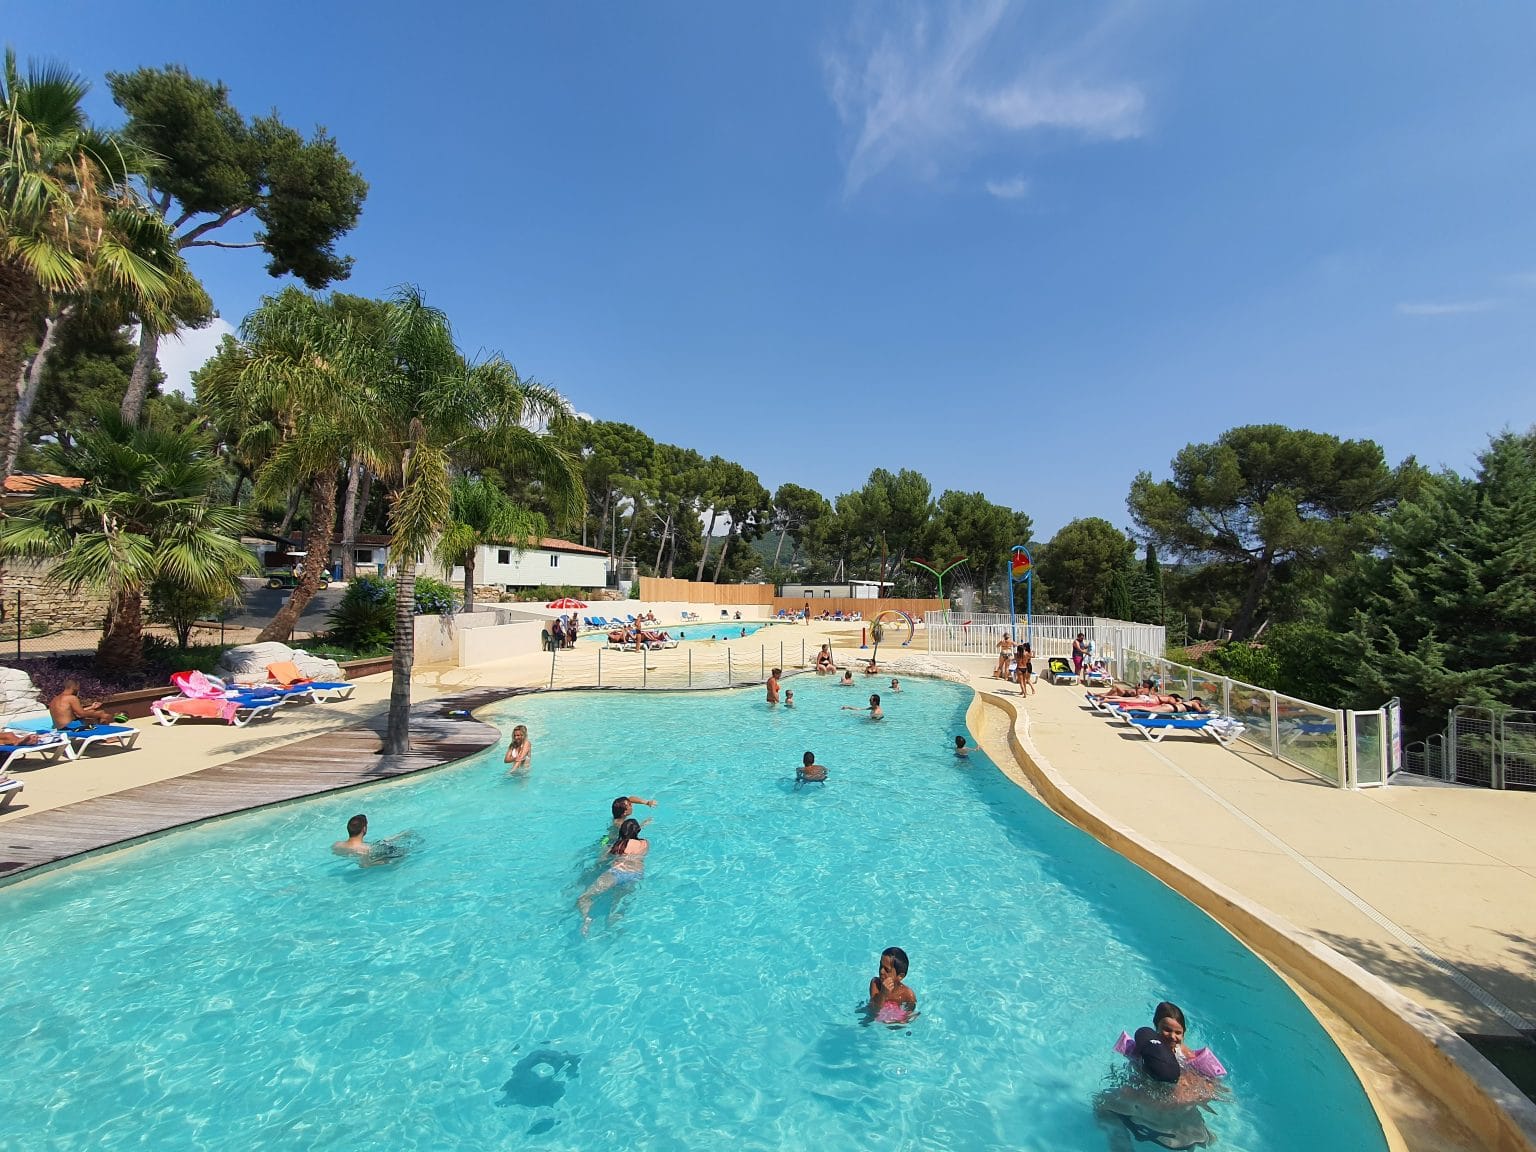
(891, 1001)
(625, 861)
(1159, 1101)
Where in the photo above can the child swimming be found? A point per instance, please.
(891, 1001)
(625, 861)
(960, 748)
(1160, 1098)
(809, 771)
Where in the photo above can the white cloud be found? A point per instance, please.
(183, 354)
(1447, 308)
(1015, 189)
(951, 82)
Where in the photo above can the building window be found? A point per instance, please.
(503, 555)
(554, 561)
(362, 556)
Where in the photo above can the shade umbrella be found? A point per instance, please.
(565, 602)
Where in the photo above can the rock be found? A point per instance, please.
(19, 697)
(247, 662)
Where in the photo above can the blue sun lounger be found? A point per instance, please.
(50, 744)
(79, 734)
(1154, 728)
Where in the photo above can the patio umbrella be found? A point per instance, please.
(565, 602)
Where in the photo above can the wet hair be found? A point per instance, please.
(778, 671)
(357, 825)
(1167, 1010)
(523, 728)
(898, 960)
(629, 830)
(620, 807)
(874, 701)
(959, 741)
(808, 759)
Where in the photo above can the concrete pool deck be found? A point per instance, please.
(1432, 890)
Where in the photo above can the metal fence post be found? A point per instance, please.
(802, 648)
(1450, 747)
(1496, 764)
(599, 665)
(690, 667)
(1346, 746)
(552, 667)
(1226, 695)
(762, 662)
(645, 657)
(781, 653)
(728, 680)
(1274, 724)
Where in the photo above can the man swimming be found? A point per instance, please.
(873, 709)
(809, 771)
(368, 855)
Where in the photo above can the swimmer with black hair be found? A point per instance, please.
(789, 697)
(891, 1001)
(960, 748)
(385, 851)
(625, 860)
(873, 709)
(895, 685)
(1160, 1100)
(623, 808)
(809, 771)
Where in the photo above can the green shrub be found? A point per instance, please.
(545, 593)
(365, 618)
(433, 597)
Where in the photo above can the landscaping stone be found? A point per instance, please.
(248, 662)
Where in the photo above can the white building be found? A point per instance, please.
(550, 561)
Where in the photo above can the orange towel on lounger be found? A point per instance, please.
(287, 673)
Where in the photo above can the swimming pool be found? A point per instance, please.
(237, 986)
(710, 629)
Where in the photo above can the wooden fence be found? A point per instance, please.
(662, 590)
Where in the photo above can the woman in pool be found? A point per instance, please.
(625, 861)
(1160, 1100)
(891, 1001)
(520, 751)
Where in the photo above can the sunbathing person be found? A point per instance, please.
(67, 708)
(1119, 689)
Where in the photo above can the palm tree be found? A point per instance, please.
(481, 513)
(295, 381)
(144, 514)
(437, 410)
(68, 222)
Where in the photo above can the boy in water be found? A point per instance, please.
(873, 709)
(895, 685)
(847, 680)
(960, 748)
(789, 698)
(520, 751)
(809, 771)
(623, 809)
(890, 1000)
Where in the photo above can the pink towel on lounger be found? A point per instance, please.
(213, 709)
(197, 686)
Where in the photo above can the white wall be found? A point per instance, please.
(471, 638)
(532, 567)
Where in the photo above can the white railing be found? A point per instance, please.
(951, 634)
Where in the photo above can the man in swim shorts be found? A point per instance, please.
(67, 707)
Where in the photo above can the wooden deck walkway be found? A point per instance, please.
(329, 762)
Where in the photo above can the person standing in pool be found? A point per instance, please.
(809, 771)
(873, 709)
(626, 864)
(891, 1001)
(520, 750)
(960, 749)
(789, 698)
(773, 686)
(847, 680)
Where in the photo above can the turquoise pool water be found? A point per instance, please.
(237, 986)
(719, 629)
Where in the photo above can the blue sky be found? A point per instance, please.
(1026, 249)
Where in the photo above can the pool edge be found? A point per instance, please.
(1440, 1062)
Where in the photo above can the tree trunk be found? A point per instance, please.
(1242, 626)
(20, 306)
(317, 541)
(293, 510)
(666, 527)
(349, 520)
(122, 640)
(708, 532)
(365, 493)
(783, 532)
(720, 559)
(469, 581)
(602, 524)
(397, 738)
(241, 476)
(138, 382)
(27, 386)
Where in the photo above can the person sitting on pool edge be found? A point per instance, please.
(824, 661)
(891, 1001)
(873, 709)
(871, 669)
(809, 771)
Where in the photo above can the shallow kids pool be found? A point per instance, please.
(237, 986)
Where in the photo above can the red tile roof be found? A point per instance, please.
(551, 544)
(32, 481)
